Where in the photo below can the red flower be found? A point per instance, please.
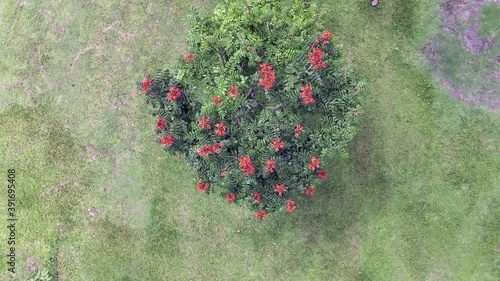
(298, 129)
(262, 214)
(217, 146)
(167, 140)
(205, 123)
(189, 57)
(146, 84)
(323, 39)
(257, 197)
(174, 93)
(280, 189)
(205, 150)
(309, 190)
(269, 77)
(290, 206)
(316, 57)
(315, 162)
(277, 144)
(231, 197)
(208, 149)
(223, 173)
(322, 174)
(246, 165)
(309, 100)
(320, 65)
(270, 165)
(326, 37)
(161, 123)
(307, 94)
(233, 92)
(220, 129)
(217, 100)
(202, 186)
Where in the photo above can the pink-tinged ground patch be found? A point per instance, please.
(461, 22)
(458, 13)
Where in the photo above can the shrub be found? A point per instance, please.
(258, 99)
(41, 274)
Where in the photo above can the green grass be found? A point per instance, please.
(418, 200)
(489, 20)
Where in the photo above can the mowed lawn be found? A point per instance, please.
(419, 199)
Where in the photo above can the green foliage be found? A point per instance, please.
(283, 99)
(41, 275)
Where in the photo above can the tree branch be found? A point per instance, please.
(246, 4)
(249, 94)
(273, 107)
(222, 56)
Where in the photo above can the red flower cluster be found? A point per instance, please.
(161, 123)
(298, 129)
(309, 190)
(270, 166)
(246, 165)
(217, 100)
(231, 197)
(167, 140)
(257, 197)
(205, 123)
(316, 57)
(280, 189)
(290, 206)
(223, 173)
(233, 92)
(262, 214)
(315, 162)
(205, 150)
(220, 129)
(174, 93)
(217, 146)
(189, 57)
(269, 77)
(277, 144)
(208, 149)
(307, 94)
(146, 84)
(322, 174)
(202, 186)
(323, 39)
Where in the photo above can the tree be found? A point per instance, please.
(258, 99)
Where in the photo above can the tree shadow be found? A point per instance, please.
(354, 186)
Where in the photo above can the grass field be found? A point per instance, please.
(98, 200)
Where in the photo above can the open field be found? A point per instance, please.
(98, 200)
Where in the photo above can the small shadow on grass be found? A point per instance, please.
(404, 17)
(162, 231)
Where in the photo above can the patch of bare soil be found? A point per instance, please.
(460, 19)
(31, 264)
(62, 186)
(490, 98)
(95, 154)
(458, 13)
